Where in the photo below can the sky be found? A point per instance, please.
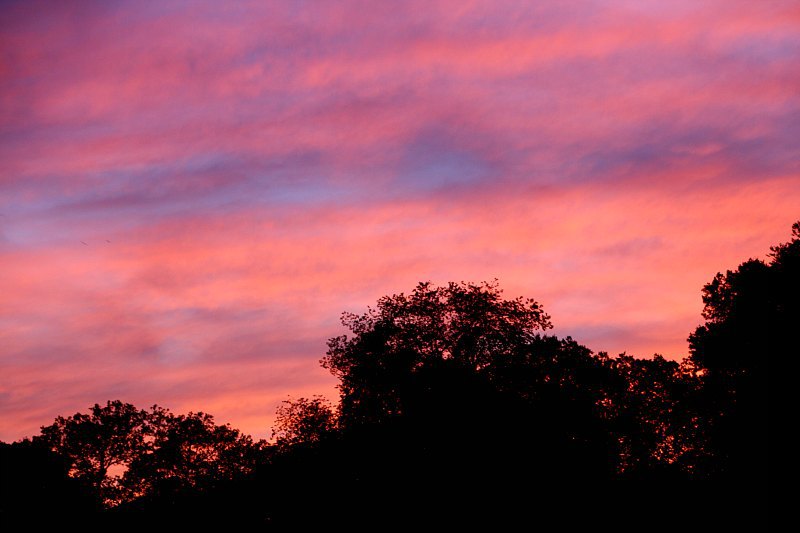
(191, 193)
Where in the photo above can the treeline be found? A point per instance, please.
(457, 412)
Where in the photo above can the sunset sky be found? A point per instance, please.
(192, 192)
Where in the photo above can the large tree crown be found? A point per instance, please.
(464, 322)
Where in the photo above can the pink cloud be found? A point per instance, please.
(184, 300)
(243, 174)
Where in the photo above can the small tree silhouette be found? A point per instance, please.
(303, 421)
(157, 451)
(108, 436)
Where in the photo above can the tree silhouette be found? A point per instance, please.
(450, 397)
(303, 421)
(449, 359)
(751, 316)
(649, 404)
(155, 451)
(188, 452)
(108, 436)
(465, 323)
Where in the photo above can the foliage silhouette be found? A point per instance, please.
(188, 452)
(650, 406)
(465, 323)
(303, 422)
(446, 355)
(108, 436)
(159, 453)
(751, 316)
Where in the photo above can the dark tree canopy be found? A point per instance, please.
(752, 316)
(188, 452)
(108, 436)
(750, 313)
(461, 358)
(303, 421)
(467, 324)
(154, 451)
(650, 407)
